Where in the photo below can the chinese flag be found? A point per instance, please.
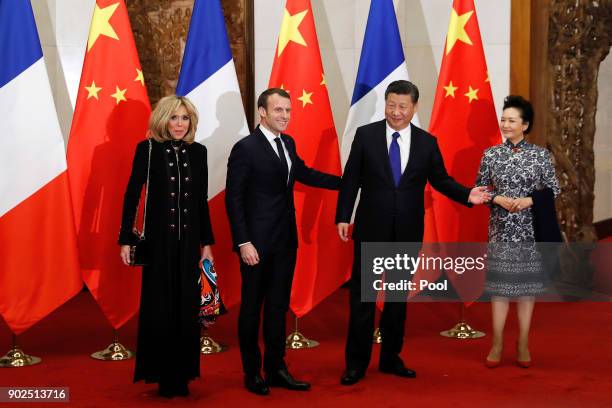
(110, 118)
(323, 262)
(464, 121)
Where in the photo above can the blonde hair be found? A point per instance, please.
(165, 108)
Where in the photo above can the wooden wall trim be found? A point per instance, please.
(528, 59)
(520, 45)
(539, 77)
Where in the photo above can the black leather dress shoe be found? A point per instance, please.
(398, 369)
(282, 378)
(171, 389)
(165, 391)
(350, 377)
(256, 384)
(182, 390)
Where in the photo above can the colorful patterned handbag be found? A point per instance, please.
(211, 305)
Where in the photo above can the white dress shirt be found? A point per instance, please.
(403, 141)
(271, 136)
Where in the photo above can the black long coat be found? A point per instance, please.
(177, 223)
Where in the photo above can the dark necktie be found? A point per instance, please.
(395, 159)
(281, 155)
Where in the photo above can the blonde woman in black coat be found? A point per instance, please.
(179, 235)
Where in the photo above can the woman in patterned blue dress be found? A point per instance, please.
(514, 170)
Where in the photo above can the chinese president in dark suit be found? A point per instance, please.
(262, 169)
(390, 161)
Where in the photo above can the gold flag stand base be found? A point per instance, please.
(114, 352)
(209, 346)
(297, 340)
(377, 336)
(462, 330)
(17, 358)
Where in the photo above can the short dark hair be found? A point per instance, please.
(262, 101)
(403, 87)
(523, 106)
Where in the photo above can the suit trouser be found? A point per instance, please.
(361, 325)
(266, 284)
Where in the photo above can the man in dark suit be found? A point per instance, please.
(262, 170)
(390, 161)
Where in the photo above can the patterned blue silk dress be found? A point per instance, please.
(514, 265)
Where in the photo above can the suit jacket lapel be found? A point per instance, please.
(291, 157)
(411, 154)
(270, 153)
(383, 152)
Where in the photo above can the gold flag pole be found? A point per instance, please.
(462, 330)
(297, 340)
(17, 358)
(209, 346)
(114, 352)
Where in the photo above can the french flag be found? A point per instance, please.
(208, 79)
(39, 268)
(382, 62)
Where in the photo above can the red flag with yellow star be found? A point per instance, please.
(110, 118)
(465, 123)
(323, 262)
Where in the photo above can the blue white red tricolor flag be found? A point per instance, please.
(39, 268)
(382, 62)
(208, 79)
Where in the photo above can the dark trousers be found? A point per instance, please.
(266, 284)
(361, 325)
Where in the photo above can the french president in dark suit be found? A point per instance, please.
(262, 169)
(390, 161)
